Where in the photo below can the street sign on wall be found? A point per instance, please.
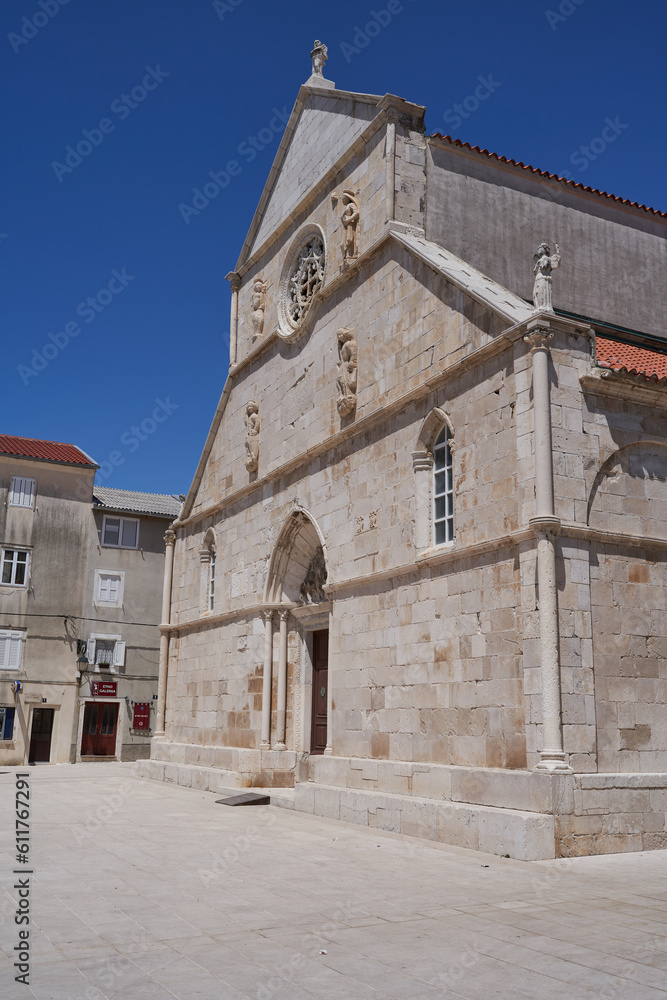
(104, 689)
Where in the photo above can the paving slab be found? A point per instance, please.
(151, 891)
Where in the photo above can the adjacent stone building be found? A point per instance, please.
(81, 582)
(419, 578)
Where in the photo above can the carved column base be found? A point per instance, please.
(554, 762)
(264, 745)
(279, 746)
(328, 751)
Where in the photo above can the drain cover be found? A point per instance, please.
(247, 799)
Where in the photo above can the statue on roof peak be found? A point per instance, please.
(319, 55)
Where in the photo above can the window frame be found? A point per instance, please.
(443, 444)
(121, 521)
(15, 565)
(20, 492)
(97, 600)
(211, 579)
(17, 635)
(9, 711)
(119, 651)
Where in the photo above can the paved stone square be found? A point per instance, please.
(148, 891)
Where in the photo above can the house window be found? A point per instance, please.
(6, 723)
(109, 588)
(22, 493)
(10, 650)
(443, 489)
(120, 532)
(103, 650)
(14, 567)
(211, 581)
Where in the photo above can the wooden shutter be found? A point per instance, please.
(10, 650)
(90, 650)
(119, 654)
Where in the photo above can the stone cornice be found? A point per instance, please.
(624, 386)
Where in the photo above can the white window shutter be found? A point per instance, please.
(112, 588)
(4, 651)
(90, 650)
(119, 653)
(102, 588)
(15, 639)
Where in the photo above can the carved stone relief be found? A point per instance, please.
(544, 263)
(252, 423)
(350, 220)
(312, 588)
(346, 380)
(257, 303)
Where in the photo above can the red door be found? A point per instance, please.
(40, 736)
(99, 729)
(318, 736)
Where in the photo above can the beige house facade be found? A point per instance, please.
(419, 579)
(81, 581)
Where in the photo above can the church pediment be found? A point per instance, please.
(324, 124)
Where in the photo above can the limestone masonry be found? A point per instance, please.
(419, 579)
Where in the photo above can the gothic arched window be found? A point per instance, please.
(443, 489)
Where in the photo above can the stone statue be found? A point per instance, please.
(252, 423)
(545, 263)
(257, 304)
(346, 380)
(350, 220)
(312, 588)
(319, 55)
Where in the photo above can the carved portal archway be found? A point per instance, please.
(299, 556)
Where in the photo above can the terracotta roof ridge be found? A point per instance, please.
(545, 173)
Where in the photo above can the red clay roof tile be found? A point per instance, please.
(544, 173)
(50, 451)
(631, 359)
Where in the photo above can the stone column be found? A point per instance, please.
(282, 684)
(329, 747)
(390, 167)
(170, 539)
(234, 317)
(422, 466)
(267, 680)
(546, 523)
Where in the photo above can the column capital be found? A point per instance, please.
(169, 536)
(538, 335)
(234, 280)
(284, 615)
(267, 615)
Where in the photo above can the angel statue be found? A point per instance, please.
(319, 55)
(545, 263)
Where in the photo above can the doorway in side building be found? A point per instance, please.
(39, 751)
(99, 729)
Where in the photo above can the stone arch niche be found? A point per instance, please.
(629, 493)
(300, 545)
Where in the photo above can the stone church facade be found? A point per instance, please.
(419, 579)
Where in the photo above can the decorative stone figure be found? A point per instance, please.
(252, 423)
(346, 381)
(319, 55)
(257, 303)
(545, 263)
(312, 588)
(350, 220)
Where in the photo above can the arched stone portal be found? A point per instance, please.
(294, 586)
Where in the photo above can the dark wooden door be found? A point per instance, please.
(40, 736)
(99, 729)
(318, 735)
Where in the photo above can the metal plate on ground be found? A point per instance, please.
(246, 799)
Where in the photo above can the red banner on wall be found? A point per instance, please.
(142, 714)
(104, 689)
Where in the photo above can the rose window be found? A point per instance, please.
(306, 279)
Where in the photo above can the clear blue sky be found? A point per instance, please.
(559, 70)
